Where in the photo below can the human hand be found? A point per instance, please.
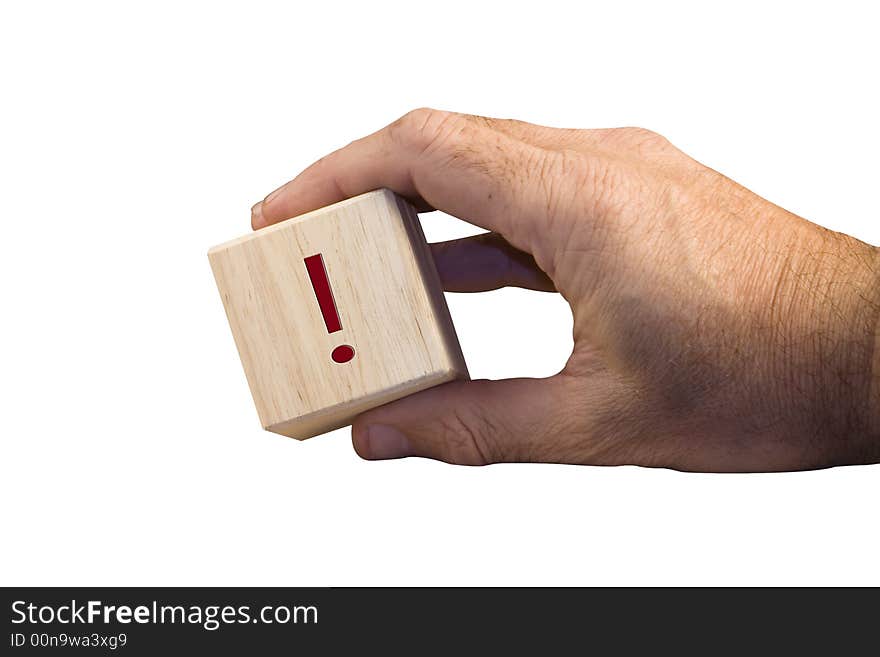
(713, 330)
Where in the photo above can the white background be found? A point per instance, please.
(134, 136)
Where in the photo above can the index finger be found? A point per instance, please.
(436, 159)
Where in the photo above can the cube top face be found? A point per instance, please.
(335, 312)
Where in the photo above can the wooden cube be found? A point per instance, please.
(335, 312)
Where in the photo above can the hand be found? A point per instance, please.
(713, 330)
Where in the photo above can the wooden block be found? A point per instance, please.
(335, 312)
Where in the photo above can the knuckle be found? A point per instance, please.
(421, 127)
(637, 132)
(416, 118)
(644, 140)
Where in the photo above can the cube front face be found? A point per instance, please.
(308, 370)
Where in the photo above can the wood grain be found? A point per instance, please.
(389, 301)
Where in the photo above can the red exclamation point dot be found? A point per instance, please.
(324, 294)
(343, 353)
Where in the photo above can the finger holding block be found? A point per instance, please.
(335, 312)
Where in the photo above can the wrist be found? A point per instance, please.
(874, 386)
(826, 309)
(850, 354)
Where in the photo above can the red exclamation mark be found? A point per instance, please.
(323, 292)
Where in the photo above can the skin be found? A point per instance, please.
(713, 330)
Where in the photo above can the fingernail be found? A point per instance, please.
(257, 220)
(272, 196)
(384, 442)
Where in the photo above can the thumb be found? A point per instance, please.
(473, 422)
